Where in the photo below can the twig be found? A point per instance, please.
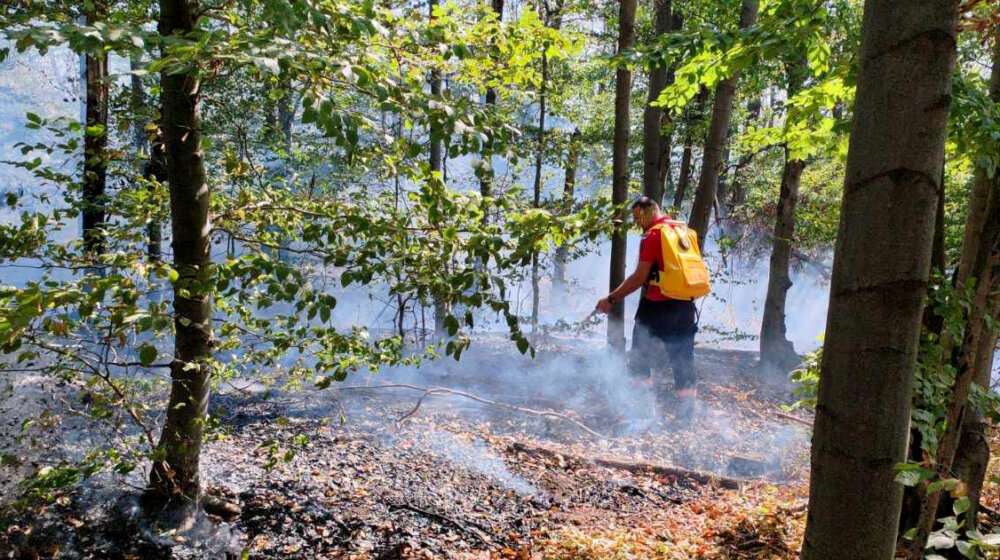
(428, 391)
(802, 421)
(638, 468)
(442, 517)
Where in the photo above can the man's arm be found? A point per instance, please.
(631, 284)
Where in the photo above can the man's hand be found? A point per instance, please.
(604, 306)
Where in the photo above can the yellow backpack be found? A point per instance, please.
(685, 275)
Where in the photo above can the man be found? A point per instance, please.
(663, 326)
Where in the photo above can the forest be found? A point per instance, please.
(499, 279)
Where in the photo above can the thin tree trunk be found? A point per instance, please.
(715, 144)
(95, 143)
(973, 452)
(286, 114)
(775, 349)
(619, 188)
(440, 307)
(569, 186)
(175, 476)
(155, 167)
(880, 275)
(739, 195)
(652, 116)
(537, 193)
(692, 117)
(486, 174)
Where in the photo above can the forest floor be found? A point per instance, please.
(357, 473)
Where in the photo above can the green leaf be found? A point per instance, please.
(34, 118)
(522, 345)
(961, 505)
(147, 354)
(451, 323)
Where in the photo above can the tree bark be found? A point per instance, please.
(715, 144)
(973, 453)
(536, 199)
(486, 174)
(175, 475)
(880, 275)
(619, 188)
(569, 187)
(155, 167)
(693, 115)
(776, 351)
(95, 143)
(436, 152)
(652, 117)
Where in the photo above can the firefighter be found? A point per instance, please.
(663, 326)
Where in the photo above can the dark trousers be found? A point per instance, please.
(664, 328)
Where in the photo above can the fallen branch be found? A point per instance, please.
(634, 467)
(440, 517)
(802, 421)
(429, 391)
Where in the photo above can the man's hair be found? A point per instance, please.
(645, 203)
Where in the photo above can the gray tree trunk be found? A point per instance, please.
(155, 167)
(880, 276)
(175, 478)
(440, 306)
(715, 143)
(973, 453)
(776, 351)
(569, 187)
(693, 115)
(95, 143)
(653, 147)
(486, 175)
(619, 187)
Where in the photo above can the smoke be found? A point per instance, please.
(472, 454)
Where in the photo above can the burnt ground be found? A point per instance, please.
(334, 474)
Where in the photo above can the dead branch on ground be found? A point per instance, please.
(635, 467)
(430, 391)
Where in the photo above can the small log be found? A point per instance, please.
(635, 467)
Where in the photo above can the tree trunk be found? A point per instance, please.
(692, 117)
(175, 478)
(440, 306)
(715, 144)
(486, 173)
(537, 192)
(569, 186)
(775, 349)
(973, 453)
(95, 143)
(739, 195)
(880, 275)
(286, 114)
(155, 167)
(652, 125)
(619, 188)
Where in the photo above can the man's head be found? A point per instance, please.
(645, 211)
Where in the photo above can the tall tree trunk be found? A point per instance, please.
(693, 115)
(569, 187)
(739, 195)
(536, 199)
(775, 349)
(619, 188)
(652, 125)
(155, 167)
(880, 275)
(175, 477)
(973, 453)
(95, 143)
(286, 114)
(715, 144)
(486, 173)
(440, 306)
